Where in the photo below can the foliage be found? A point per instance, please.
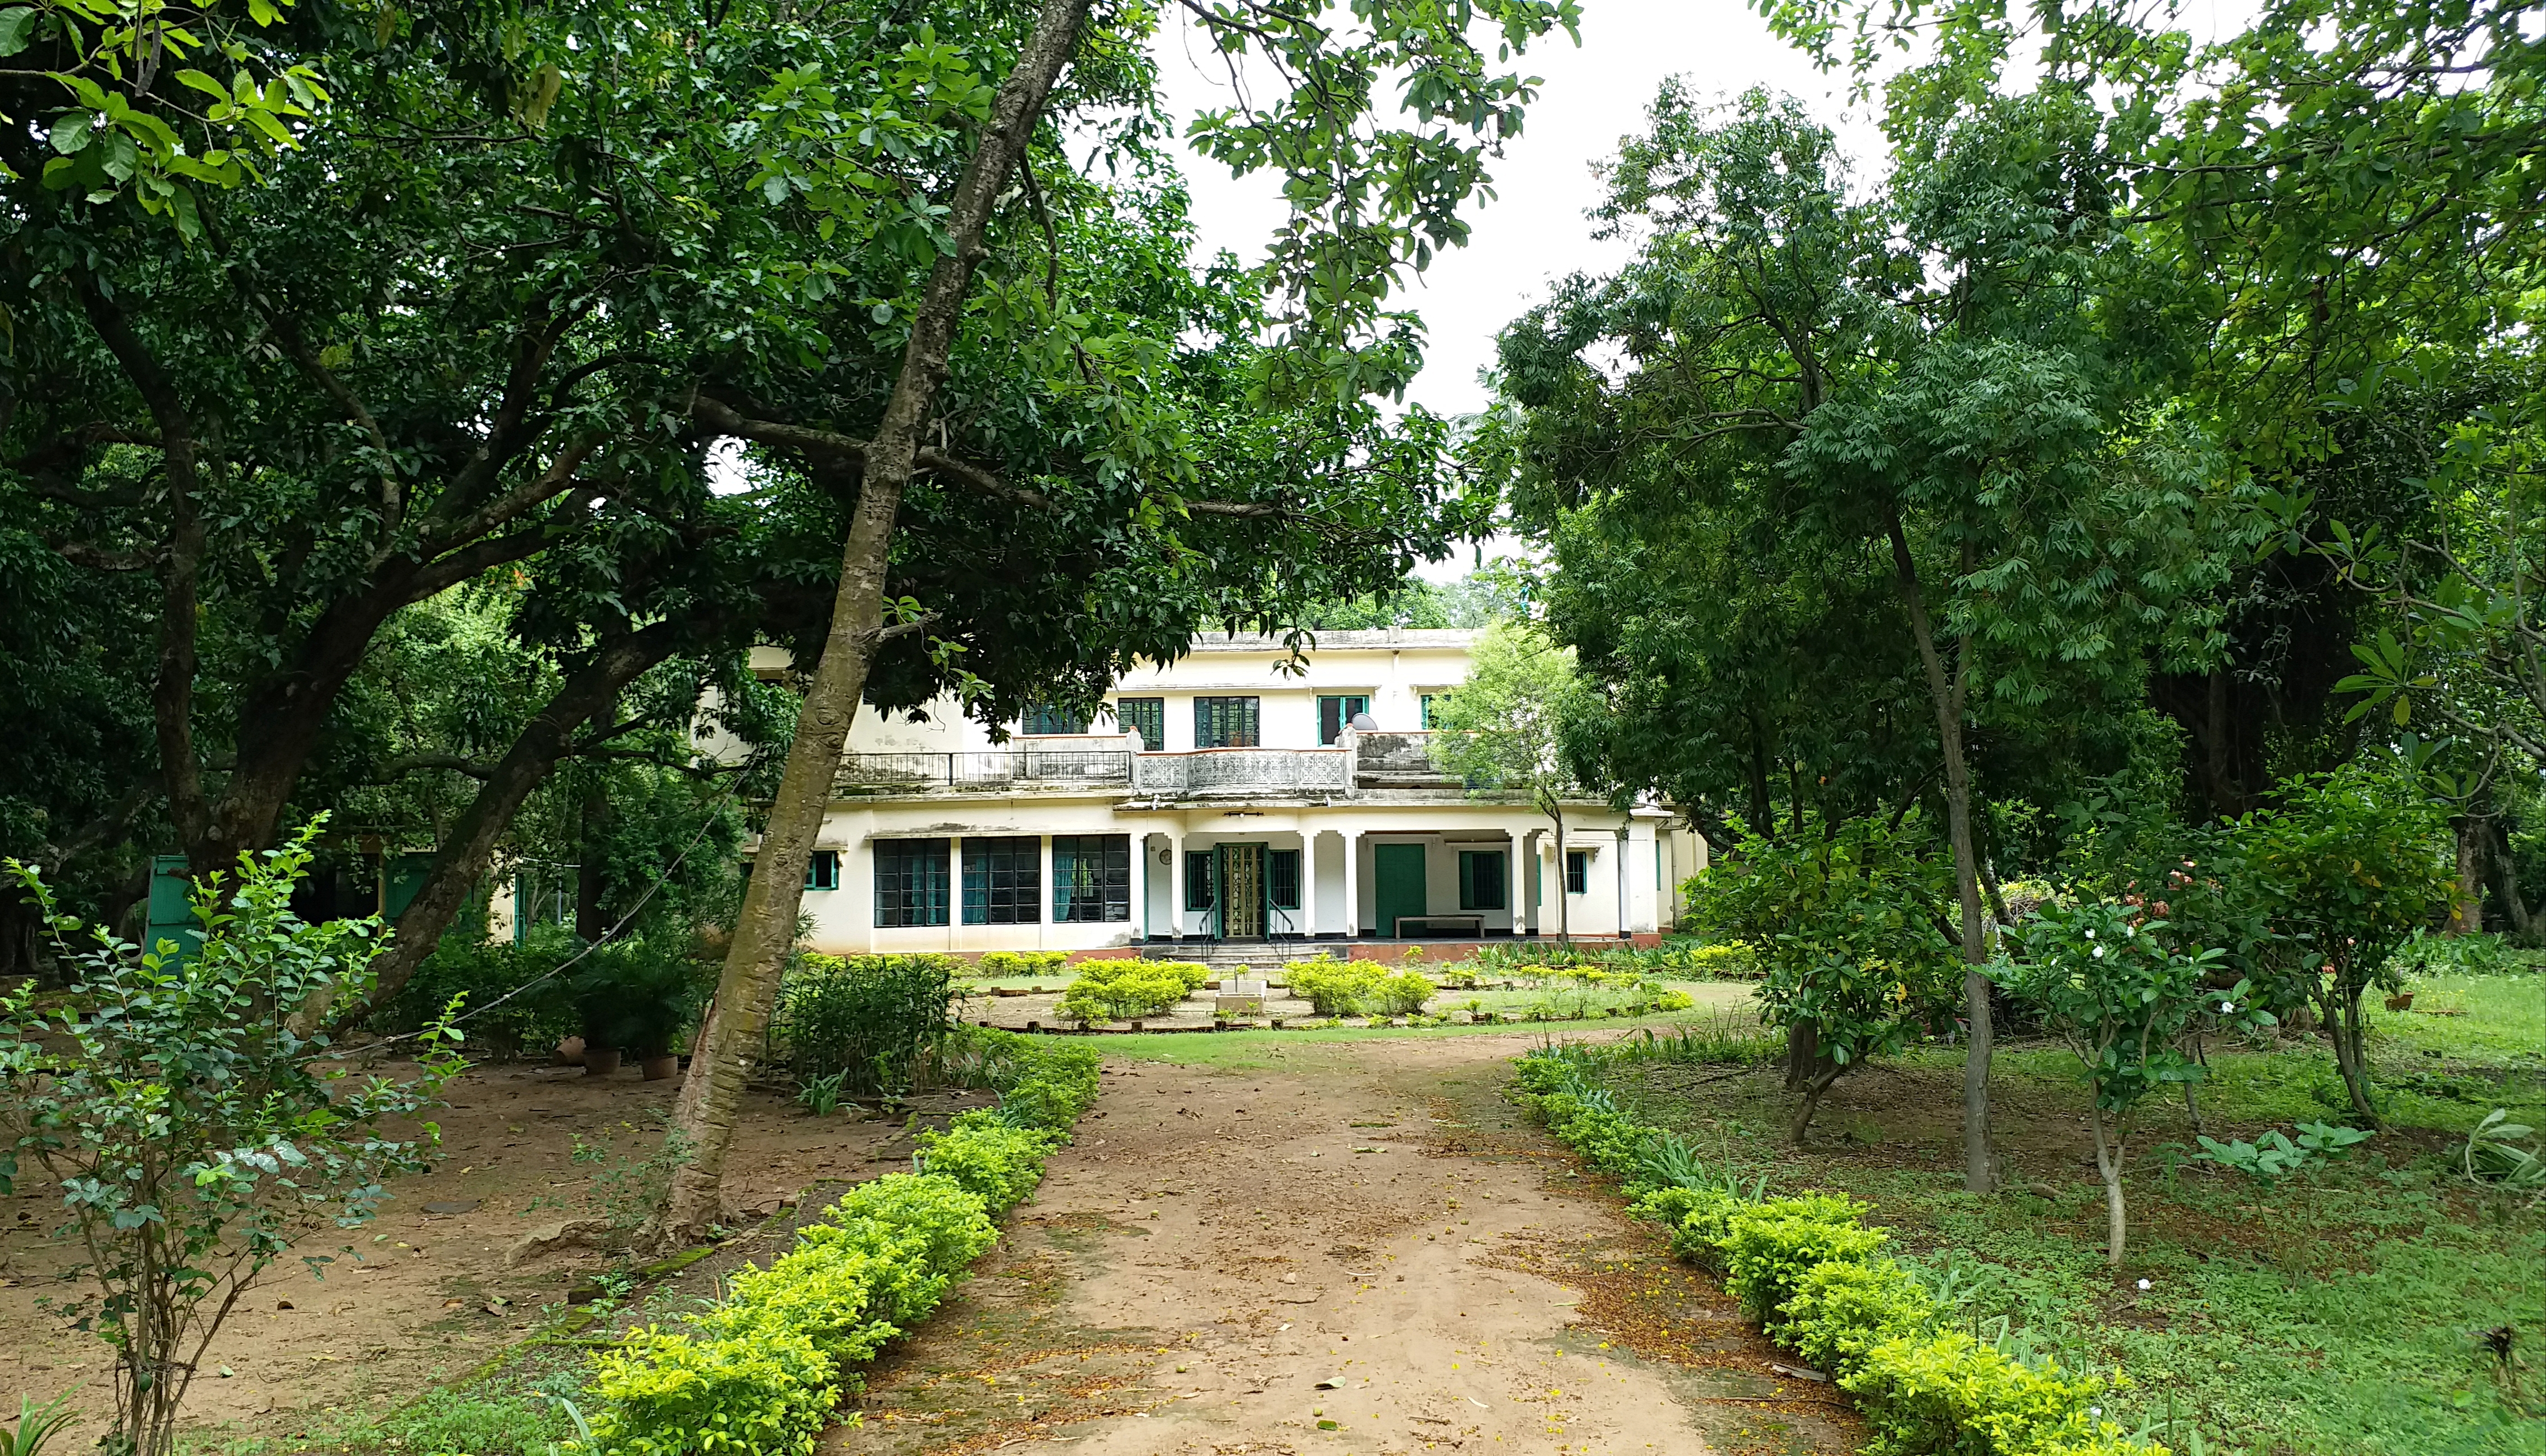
(2273, 1154)
(37, 1426)
(1002, 964)
(821, 1095)
(2121, 1000)
(197, 1129)
(641, 994)
(995, 1161)
(632, 1169)
(1850, 927)
(1503, 731)
(1950, 1393)
(1726, 960)
(1842, 1308)
(1344, 988)
(2492, 1155)
(1117, 989)
(1768, 1249)
(1406, 993)
(2429, 954)
(2345, 868)
(762, 1371)
(876, 1018)
(511, 999)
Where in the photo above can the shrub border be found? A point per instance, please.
(762, 1372)
(1812, 1273)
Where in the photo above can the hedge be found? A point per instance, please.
(1815, 1277)
(762, 1373)
(1119, 989)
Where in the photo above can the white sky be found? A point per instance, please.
(1535, 232)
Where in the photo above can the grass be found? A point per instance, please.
(444, 1422)
(1243, 1050)
(2341, 1310)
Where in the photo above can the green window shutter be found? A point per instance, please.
(1466, 879)
(1199, 873)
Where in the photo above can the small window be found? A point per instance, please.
(1282, 878)
(1198, 879)
(1480, 880)
(1044, 718)
(1002, 881)
(912, 882)
(822, 871)
(1227, 722)
(1147, 716)
(1335, 715)
(1429, 699)
(1092, 877)
(1578, 871)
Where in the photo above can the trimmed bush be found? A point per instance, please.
(1768, 1249)
(1404, 994)
(1119, 989)
(1950, 1395)
(1002, 963)
(665, 1393)
(1726, 960)
(994, 1159)
(1842, 1309)
(1343, 988)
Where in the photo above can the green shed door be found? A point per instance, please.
(1397, 885)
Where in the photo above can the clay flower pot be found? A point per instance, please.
(570, 1052)
(600, 1060)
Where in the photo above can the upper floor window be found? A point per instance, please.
(1147, 716)
(1228, 722)
(1335, 715)
(1429, 699)
(1044, 718)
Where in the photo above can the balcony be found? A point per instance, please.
(1242, 772)
(995, 770)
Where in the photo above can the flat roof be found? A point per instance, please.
(1377, 639)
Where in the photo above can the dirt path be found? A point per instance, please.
(1360, 1248)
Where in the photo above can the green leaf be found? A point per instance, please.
(71, 131)
(17, 29)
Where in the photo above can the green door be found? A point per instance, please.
(1397, 885)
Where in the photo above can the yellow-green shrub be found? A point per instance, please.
(1006, 963)
(1950, 1393)
(1843, 1308)
(999, 1161)
(1726, 960)
(1404, 994)
(666, 1393)
(1342, 988)
(1769, 1246)
(1119, 990)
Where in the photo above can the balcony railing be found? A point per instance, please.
(992, 770)
(1225, 772)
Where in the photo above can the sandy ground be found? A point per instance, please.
(1360, 1250)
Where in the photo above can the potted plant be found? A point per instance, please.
(637, 998)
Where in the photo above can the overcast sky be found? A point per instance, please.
(1535, 232)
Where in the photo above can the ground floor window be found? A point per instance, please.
(1480, 880)
(1002, 881)
(1044, 717)
(1198, 879)
(822, 871)
(1578, 871)
(1282, 878)
(912, 882)
(1092, 877)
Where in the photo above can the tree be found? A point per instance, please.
(1849, 927)
(1502, 731)
(194, 1135)
(2107, 984)
(1921, 386)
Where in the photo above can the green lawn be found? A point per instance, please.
(2339, 1311)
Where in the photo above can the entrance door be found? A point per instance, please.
(1241, 891)
(1397, 884)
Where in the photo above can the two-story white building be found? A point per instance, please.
(1218, 798)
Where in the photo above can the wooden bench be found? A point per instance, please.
(1474, 924)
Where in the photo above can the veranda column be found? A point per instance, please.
(1512, 878)
(1353, 884)
(954, 892)
(1176, 881)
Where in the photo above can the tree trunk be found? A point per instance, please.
(765, 931)
(2506, 874)
(2109, 1161)
(1980, 1171)
(2466, 902)
(1814, 1090)
(2345, 1025)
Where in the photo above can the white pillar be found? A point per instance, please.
(1353, 884)
(955, 892)
(1513, 878)
(1047, 895)
(1645, 877)
(1176, 881)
